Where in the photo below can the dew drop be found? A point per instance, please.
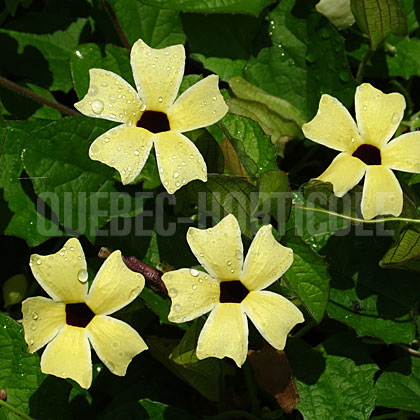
(34, 316)
(395, 118)
(194, 272)
(115, 344)
(364, 108)
(177, 307)
(238, 254)
(97, 106)
(229, 262)
(136, 152)
(38, 261)
(194, 286)
(160, 99)
(173, 292)
(214, 98)
(134, 293)
(33, 328)
(82, 275)
(176, 174)
(143, 107)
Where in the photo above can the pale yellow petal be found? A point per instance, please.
(193, 293)
(110, 97)
(333, 126)
(273, 315)
(199, 106)
(266, 260)
(179, 160)
(124, 148)
(157, 73)
(378, 114)
(58, 273)
(225, 334)
(382, 193)
(115, 342)
(344, 173)
(42, 320)
(403, 153)
(219, 249)
(68, 356)
(114, 286)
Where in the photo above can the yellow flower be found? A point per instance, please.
(338, 12)
(232, 289)
(152, 116)
(366, 149)
(74, 317)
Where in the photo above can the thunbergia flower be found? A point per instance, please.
(232, 289)
(366, 149)
(74, 317)
(152, 116)
(338, 12)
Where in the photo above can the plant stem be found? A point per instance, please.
(35, 97)
(362, 66)
(409, 350)
(117, 26)
(14, 410)
(249, 380)
(305, 329)
(356, 219)
(232, 414)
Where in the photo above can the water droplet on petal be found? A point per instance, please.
(82, 275)
(176, 174)
(97, 106)
(395, 118)
(115, 344)
(134, 293)
(173, 292)
(160, 99)
(177, 307)
(194, 286)
(229, 262)
(34, 316)
(364, 108)
(194, 272)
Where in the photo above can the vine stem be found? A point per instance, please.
(356, 219)
(15, 410)
(362, 65)
(117, 26)
(37, 98)
(250, 384)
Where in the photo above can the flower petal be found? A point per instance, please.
(114, 286)
(68, 356)
(266, 260)
(403, 153)
(42, 320)
(193, 293)
(333, 126)
(157, 73)
(179, 160)
(199, 106)
(115, 342)
(344, 173)
(382, 193)
(58, 273)
(124, 148)
(273, 315)
(110, 97)
(218, 249)
(225, 334)
(378, 114)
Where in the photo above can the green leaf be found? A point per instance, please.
(399, 385)
(308, 277)
(210, 149)
(331, 385)
(403, 59)
(296, 63)
(157, 27)
(80, 191)
(224, 67)
(48, 54)
(252, 7)
(374, 308)
(274, 197)
(20, 372)
(405, 252)
(245, 90)
(254, 148)
(222, 195)
(26, 221)
(88, 56)
(377, 19)
(20, 108)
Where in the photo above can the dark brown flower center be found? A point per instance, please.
(154, 121)
(368, 154)
(232, 292)
(78, 315)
